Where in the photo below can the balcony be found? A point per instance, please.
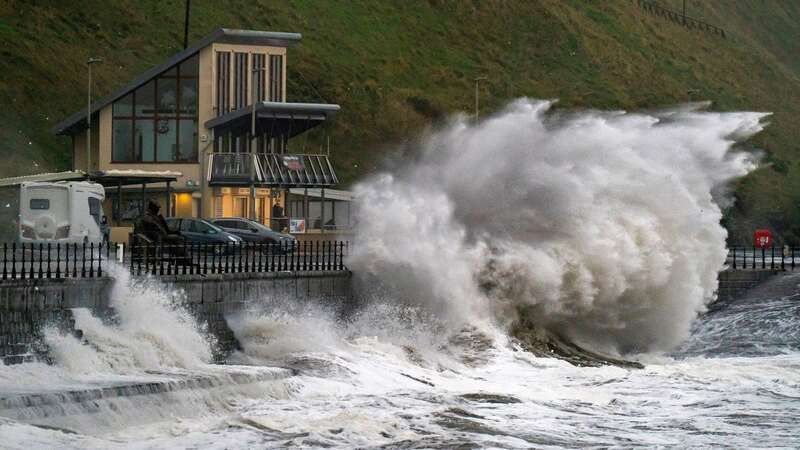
(270, 170)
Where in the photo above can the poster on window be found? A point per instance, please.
(297, 226)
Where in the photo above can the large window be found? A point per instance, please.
(240, 80)
(276, 78)
(223, 83)
(158, 121)
(260, 68)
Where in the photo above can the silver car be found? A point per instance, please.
(251, 231)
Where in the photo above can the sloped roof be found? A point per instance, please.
(77, 121)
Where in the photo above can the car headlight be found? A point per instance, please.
(232, 239)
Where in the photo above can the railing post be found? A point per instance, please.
(23, 270)
(772, 266)
(48, 273)
(5, 260)
(41, 261)
(763, 258)
(734, 258)
(58, 260)
(205, 258)
(792, 258)
(83, 260)
(227, 252)
(271, 256)
(160, 256)
(91, 258)
(13, 260)
(783, 257)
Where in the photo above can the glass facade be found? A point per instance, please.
(235, 81)
(158, 121)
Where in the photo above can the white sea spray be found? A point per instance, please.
(601, 226)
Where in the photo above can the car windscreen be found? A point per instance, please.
(173, 224)
(201, 226)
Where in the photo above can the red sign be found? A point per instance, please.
(293, 163)
(762, 238)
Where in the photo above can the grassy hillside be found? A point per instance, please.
(397, 66)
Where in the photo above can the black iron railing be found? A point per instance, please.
(59, 261)
(770, 258)
(679, 17)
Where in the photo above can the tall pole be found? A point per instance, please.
(477, 80)
(186, 25)
(89, 63)
(253, 140)
(684, 12)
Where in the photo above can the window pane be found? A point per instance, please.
(276, 78)
(315, 213)
(94, 209)
(189, 67)
(167, 139)
(40, 203)
(187, 150)
(143, 136)
(122, 140)
(328, 219)
(146, 100)
(167, 96)
(189, 96)
(124, 106)
(342, 214)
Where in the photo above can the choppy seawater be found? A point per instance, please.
(379, 383)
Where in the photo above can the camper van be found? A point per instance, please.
(61, 212)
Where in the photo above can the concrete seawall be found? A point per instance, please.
(28, 306)
(735, 283)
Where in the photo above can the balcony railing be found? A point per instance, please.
(271, 169)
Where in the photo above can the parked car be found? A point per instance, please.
(199, 231)
(251, 231)
(61, 212)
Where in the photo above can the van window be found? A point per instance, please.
(40, 203)
(95, 208)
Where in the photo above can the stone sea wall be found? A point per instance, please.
(28, 306)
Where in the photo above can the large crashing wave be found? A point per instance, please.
(598, 226)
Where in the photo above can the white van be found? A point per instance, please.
(64, 211)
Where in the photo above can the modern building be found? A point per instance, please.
(216, 113)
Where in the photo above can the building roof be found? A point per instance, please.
(77, 121)
(103, 177)
(44, 177)
(291, 118)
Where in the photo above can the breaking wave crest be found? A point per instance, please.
(602, 227)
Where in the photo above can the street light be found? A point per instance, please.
(478, 80)
(89, 63)
(254, 141)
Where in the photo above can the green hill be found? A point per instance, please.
(396, 66)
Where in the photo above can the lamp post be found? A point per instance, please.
(89, 63)
(477, 80)
(254, 141)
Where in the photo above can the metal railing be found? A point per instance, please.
(679, 17)
(772, 258)
(22, 261)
